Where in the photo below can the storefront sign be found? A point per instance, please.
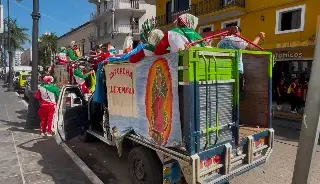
(288, 55)
(296, 44)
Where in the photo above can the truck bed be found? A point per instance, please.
(246, 130)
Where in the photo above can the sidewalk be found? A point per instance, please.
(26, 157)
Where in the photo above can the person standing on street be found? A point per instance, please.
(281, 92)
(292, 94)
(47, 95)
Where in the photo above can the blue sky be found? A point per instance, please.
(57, 16)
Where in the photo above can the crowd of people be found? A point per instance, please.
(292, 91)
(152, 42)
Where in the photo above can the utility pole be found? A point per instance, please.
(113, 19)
(2, 45)
(309, 134)
(10, 86)
(32, 117)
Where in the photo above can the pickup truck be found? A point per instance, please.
(225, 131)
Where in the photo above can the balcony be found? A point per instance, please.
(152, 2)
(123, 8)
(125, 29)
(120, 30)
(207, 11)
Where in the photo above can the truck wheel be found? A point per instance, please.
(144, 166)
(86, 137)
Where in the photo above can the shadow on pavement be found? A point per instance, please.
(285, 133)
(42, 160)
(22, 114)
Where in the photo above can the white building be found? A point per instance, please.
(26, 57)
(17, 57)
(82, 35)
(128, 17)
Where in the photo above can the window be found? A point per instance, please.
(98, 9)
(180, 5)
(105, 5)
(168, 12)
(290, 20)
(134, 22)
(98, 31)
(230, 23)
(105, 28)
(205, 29)
(227, 2)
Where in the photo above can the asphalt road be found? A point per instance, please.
(111, 169)
(105, 163)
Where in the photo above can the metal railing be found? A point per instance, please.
(118, 5)
(209, 6)
(201, 8)
(125, 28)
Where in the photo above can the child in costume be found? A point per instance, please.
(113, 51)
(81, 78)
(76, 49)
(62, 56)
(71, 53)
(128, 44)
(177, 38)
(150, 37)
(101, 56)
(47, 95)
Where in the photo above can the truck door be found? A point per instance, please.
(71, 116)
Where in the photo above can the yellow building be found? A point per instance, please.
(290, 25)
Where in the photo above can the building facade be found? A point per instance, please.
(82, 35)
(17, 57)
(26, 57)
(116, 19)
(290, 26)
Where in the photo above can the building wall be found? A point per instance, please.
(123, 22)
(26, 57)
(267, 9)
(78, 34)
(253, 17)
(17, 57)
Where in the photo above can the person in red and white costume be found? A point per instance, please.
(47, 94)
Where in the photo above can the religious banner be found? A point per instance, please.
(143, 98)
(121, 84)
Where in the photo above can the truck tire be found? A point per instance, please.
(144, 166)
(86, 137)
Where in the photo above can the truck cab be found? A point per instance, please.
(223, 135)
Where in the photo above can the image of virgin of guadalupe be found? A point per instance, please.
(159, 121)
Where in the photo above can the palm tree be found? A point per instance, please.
(48, 48)
(18, 35)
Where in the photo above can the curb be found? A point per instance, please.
(87, 171)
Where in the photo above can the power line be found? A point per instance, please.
(43, 14)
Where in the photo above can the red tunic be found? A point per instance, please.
(162, 47)
(101, 56)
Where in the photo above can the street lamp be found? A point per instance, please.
(113, 34)
(10, 86)
(32, 117)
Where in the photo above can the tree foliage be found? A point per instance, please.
(18, 35)
(47, 49)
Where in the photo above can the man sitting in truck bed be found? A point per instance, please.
(234, 42)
